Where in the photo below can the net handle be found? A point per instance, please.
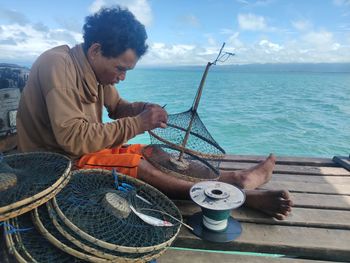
(197, 99)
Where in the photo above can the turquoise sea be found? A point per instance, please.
(291, 110)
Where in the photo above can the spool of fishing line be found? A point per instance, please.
(217, 200)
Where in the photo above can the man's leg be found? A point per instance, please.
(245, 179)
(169, 185)
(274, 203)
(251, 178)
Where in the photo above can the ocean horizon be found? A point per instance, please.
(287, 109)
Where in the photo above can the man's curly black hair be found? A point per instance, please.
(116, 30)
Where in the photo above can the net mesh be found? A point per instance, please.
(30, 174)
(82, 202)
(88, 250)
(32, 246)
(197, 158)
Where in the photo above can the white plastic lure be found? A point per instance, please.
(150, 219)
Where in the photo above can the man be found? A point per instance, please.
(61, 111)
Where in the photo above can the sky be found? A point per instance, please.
(190, 32)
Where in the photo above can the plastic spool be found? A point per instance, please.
(216, 200)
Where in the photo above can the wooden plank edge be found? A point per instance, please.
(269, 221)
(184, 255)
(289, 160)
(189, 240)
(250, 215)
(342, 208)
(299, 169)
(291, 172)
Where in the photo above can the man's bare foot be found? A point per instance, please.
(253, 177)
(275, 203)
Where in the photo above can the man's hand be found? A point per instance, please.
(153, 116)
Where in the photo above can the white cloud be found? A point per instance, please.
(180, 54)
(269, 47)
(140, 8)
(233, 42)
(23, 41)
(252, 22)
(342, 2)
(336, 46)
(96, 5)
(302, 25)
(311, 47)
(211, 40)
(226, 31)
(177, 54)
(242, 2)
(321, 40)
(28, 42)
(191, 20)
(255, 3)
(13, 16)
(161, 53)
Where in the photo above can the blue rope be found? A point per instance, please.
(115, 175)
(13, 229)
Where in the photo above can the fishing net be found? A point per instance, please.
(26, 244)
(28, 180)
(93, 211)
(185, 148)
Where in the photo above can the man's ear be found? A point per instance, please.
(94, 51)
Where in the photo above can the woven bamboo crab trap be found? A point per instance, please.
(28, 180)
(185, 149)
(26, 243)
(110, 217)
(100, 216)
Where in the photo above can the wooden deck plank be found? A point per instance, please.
(290, 160)
(291, 169)
(326, 201)
(325, 218)
(307, 242)
(173, 255)
(333, 179)
(301, 187)
(319, 226)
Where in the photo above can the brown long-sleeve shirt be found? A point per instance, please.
(61, 107)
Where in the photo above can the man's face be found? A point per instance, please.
(111, 70)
